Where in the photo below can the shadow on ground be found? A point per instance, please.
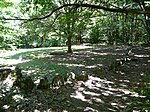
(104, 91)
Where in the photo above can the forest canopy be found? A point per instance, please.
(55, 22)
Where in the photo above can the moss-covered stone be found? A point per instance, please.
(25, 84)
(43, 84)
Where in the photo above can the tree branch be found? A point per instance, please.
(132, 11)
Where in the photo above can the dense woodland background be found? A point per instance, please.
(53, 50)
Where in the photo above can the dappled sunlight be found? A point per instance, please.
(98, 90)
(30, 71)
(8, 82)
(93, 66)
(97, 100)
(43, 67)
(89, 109)
(91, 93)
(72, 65)
(142, 56)
(79, 95)
(104, 89)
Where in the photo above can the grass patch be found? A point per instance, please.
(33, 53)
(43, 67)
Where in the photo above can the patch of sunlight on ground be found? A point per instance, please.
(142, 56)
(98, 100)
(89, 109)
(10, 53)
(90, 84)
(93, 66)
(49, 110)
(79, 95)
(104, 88)
(64, 111)
(11, 61)
(81, 47)
(116, 105)
(91, 93)
(72, 65)
(102, 54)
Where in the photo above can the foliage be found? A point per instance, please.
(8, 29)
(73, 24)
(5, 3)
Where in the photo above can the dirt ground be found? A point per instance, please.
(106, 90)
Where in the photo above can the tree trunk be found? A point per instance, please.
(69, 45)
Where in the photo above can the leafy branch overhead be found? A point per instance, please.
(120, 10)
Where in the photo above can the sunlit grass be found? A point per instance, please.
(43, 67)
(37, 51)
(37, 61)
(43, 61)
(30, 52)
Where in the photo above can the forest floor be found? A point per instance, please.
(106, 90)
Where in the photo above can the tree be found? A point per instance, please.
(66, 21)
(67, 11)
(7, 31)
(71, 24)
